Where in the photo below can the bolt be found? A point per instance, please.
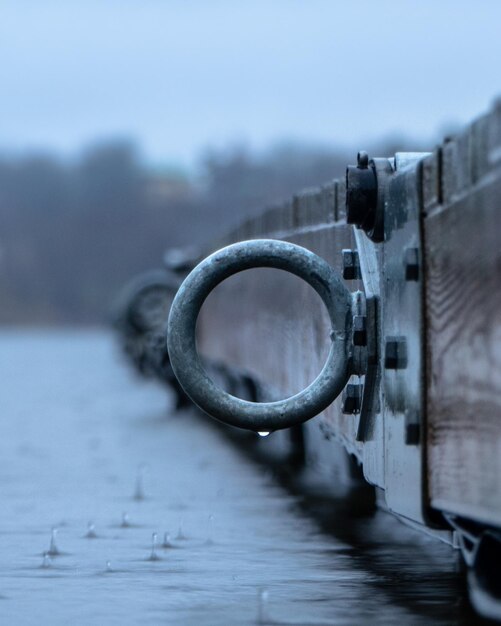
(351, 265)
(362, 159)
(395, 353)
(359, 330)
(411, 264)
(412, 434)
(361, 193)
(352, 398)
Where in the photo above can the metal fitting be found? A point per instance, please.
(186, 363)
(359, 330)
(366, 185)
(361, 193)
(395, 353)
(411, 264)
(351, 265)
(352, 398)
(412, 434)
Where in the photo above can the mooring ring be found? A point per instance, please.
(181, 339)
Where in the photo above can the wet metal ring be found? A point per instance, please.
(181, 340)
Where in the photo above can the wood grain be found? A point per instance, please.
(463, 303)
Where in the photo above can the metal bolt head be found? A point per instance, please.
(361, 193)
(412, 434)
(395, 353)
(362, 159)
(359, 330)
(352, 398)
(411, 264)
(351, 265)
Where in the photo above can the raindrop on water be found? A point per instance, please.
(139, 490)
(180, 533)
(210, 521)
(53, 551)
(46, 563)
(154, 556)
(167, 543)
(108, 567)
(262, 607)
(91, 531)
(125, 520)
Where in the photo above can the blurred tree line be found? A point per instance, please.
(72, 233)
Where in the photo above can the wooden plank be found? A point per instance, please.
(463, 303)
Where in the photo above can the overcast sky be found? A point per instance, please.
(181, 75)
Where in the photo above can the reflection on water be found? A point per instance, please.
(237, 548)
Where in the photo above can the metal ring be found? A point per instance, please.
(261, 416)
(126, 317)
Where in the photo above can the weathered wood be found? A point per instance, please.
(274, 327)
(463, 304)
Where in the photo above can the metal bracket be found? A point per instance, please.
(481, 550)
(388, 238)
(402, 339)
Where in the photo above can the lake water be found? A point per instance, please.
(93, 463)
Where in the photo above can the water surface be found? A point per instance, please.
(93, 462)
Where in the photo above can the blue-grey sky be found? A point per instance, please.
(181, 75)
